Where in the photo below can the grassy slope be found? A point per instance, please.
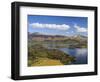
(40, 56)
(46, 62)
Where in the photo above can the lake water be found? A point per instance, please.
(80, 54)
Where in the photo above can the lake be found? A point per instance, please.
(80, 54)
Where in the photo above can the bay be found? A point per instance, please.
(80, 54)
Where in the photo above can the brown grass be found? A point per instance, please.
(46, 62)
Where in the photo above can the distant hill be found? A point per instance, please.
(43, 37)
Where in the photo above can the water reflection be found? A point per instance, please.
(79, 54)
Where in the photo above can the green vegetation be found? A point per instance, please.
(40, 56)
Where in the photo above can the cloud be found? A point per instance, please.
(50, 26)
(80, 29)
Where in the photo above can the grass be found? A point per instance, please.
(46, 62)
(40, 56)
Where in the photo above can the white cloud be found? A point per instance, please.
(51, 26)
(80, 29)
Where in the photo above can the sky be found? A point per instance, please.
(58, 25)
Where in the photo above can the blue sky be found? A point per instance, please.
(57, 25)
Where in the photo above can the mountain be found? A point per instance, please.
(42, 37)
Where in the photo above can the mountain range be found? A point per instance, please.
(42, 37)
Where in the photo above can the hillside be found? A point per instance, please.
(46, 62)
(40, 56)
(43, 37)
